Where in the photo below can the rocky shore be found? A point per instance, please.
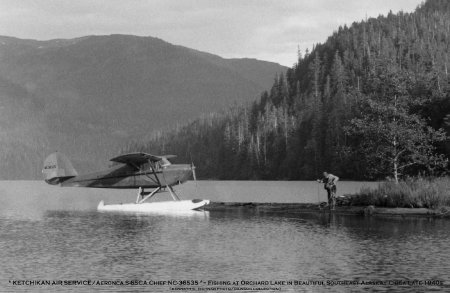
(299, 208)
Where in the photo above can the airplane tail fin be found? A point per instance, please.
(57, 169)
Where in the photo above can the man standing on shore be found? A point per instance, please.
(329, 181)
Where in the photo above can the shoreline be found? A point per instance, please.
(303, 208)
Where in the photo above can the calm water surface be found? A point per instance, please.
(48, 233)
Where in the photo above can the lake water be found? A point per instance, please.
(55, 234)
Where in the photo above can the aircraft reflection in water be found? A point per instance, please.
(134, 170)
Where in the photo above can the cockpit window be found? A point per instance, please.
(145, 167)
(148, 166)
(165, 162)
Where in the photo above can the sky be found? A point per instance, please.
(269, 30)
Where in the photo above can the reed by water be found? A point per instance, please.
(410, 193)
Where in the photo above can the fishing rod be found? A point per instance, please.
(318, 192)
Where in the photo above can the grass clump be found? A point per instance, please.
(410, 193)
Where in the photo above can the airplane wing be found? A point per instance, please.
(139, 158)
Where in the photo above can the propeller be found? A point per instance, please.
(194, 175)
(193, 172)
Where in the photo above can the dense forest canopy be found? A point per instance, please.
(372, 102)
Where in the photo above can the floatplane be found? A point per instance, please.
(129, 171)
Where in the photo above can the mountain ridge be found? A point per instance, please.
(108, 89)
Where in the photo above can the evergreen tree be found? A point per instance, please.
(390, 137)
(371, 102)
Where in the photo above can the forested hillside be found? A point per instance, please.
(87, 96)
(371, 102)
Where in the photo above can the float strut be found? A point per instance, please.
(172, 193)
(141, 193)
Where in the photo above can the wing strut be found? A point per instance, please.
(141, 192)
(156, 176)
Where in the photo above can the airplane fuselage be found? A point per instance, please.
(125, 176)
